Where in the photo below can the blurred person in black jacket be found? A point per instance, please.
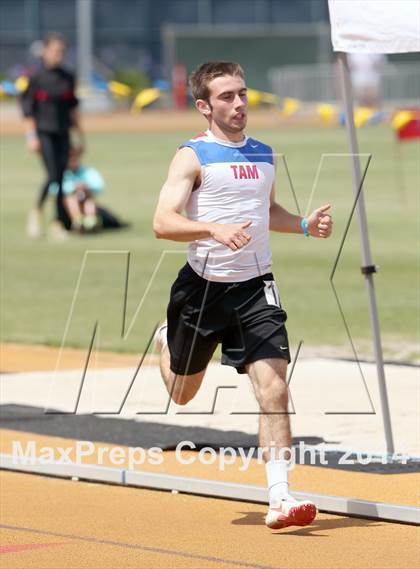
(49, 106)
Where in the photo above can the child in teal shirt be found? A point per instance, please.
(80, 186)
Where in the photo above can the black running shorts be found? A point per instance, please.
(245, 317)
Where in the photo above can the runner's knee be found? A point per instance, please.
(273, 395)
(185, 387)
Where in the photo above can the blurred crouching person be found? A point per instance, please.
(81, 184)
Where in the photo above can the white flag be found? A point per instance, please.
(375, 26)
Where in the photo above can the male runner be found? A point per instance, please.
(226, 293)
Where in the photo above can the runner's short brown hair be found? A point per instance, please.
(205, 73)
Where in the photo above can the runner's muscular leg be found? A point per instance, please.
(268, 378)
(181, 388)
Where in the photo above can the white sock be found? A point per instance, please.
(277, 481)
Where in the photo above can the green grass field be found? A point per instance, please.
(40, 277)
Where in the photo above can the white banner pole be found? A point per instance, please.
(368, 268)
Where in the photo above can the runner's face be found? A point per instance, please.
(229, 103)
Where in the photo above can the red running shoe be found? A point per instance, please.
(291, 512)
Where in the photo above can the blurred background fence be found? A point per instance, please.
(130, 30)
(259, 47)
(400, 82)
(284, 45)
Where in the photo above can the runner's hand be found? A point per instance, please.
(233, 235)
(320, 222)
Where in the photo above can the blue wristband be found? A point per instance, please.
(304, 226)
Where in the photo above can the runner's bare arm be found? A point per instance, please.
(281, 220)
(169, 223)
